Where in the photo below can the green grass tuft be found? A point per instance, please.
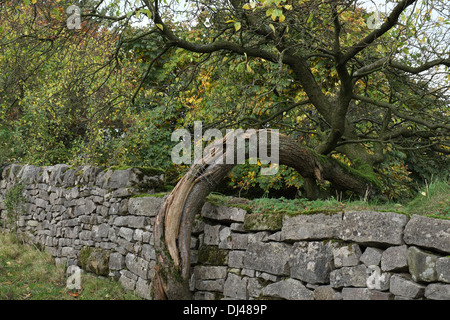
(27, 273)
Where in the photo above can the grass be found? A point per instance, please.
(433, 200)
(27, 273)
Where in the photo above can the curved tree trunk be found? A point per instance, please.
(174, 221)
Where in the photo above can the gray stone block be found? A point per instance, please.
(145, 206)
(116, 261)
(126, 233)
(403, 285)
(223, 213)
(346, 255)
(371, 256)
(349, 277)
(212, 234)
(365, 294)
(144, 288)
(422, 265)
(437, 291)
(235, 287)
(429, 233)
(289, 289)
(369, 227)
(443, 269)
(395, 259)
(126, 282)
(210, 272)
(326, 293)
(271, 257)
(312, 261)
(138, 266)
(317, 226)
(236, 259)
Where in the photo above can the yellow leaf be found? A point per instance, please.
(249, 69)
(272, 27)
(237, 26)
(160, 26)
(282, 18)
(246, 6)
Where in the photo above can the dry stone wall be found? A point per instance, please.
(102, 221)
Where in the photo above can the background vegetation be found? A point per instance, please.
(112, 92)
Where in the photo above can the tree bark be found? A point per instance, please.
(174, 221)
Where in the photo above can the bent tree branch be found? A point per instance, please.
(174, 222)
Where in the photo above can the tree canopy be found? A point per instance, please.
(369, 89)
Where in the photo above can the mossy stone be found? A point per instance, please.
(261, 222)
(212, 255)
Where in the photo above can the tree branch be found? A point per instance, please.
(390, 22)
(424, 67)
(394, 110)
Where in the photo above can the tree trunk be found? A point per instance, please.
(174, 221)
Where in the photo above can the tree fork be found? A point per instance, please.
(174, 221)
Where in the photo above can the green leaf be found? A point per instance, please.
(311, 16)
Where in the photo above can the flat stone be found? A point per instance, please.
(210, 272)
(271, 257)
(236, 259)
(215, 285)
(289, 289)
(429, 233)
(312, 261)
(326, 293)
(369, 227)
(223, 213)
(145, 206)
(371, 256)
(395, 259)
(437, 291)
(349, 277)
(346, 255)
(443, 269)
(403, 285)
(144, 288)
(138, 266)
(126, 233)
(235, 287)
(212, 234)
(126, 282)
(422, 265)
(317, 226)
(365, 294)
(116, 261)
